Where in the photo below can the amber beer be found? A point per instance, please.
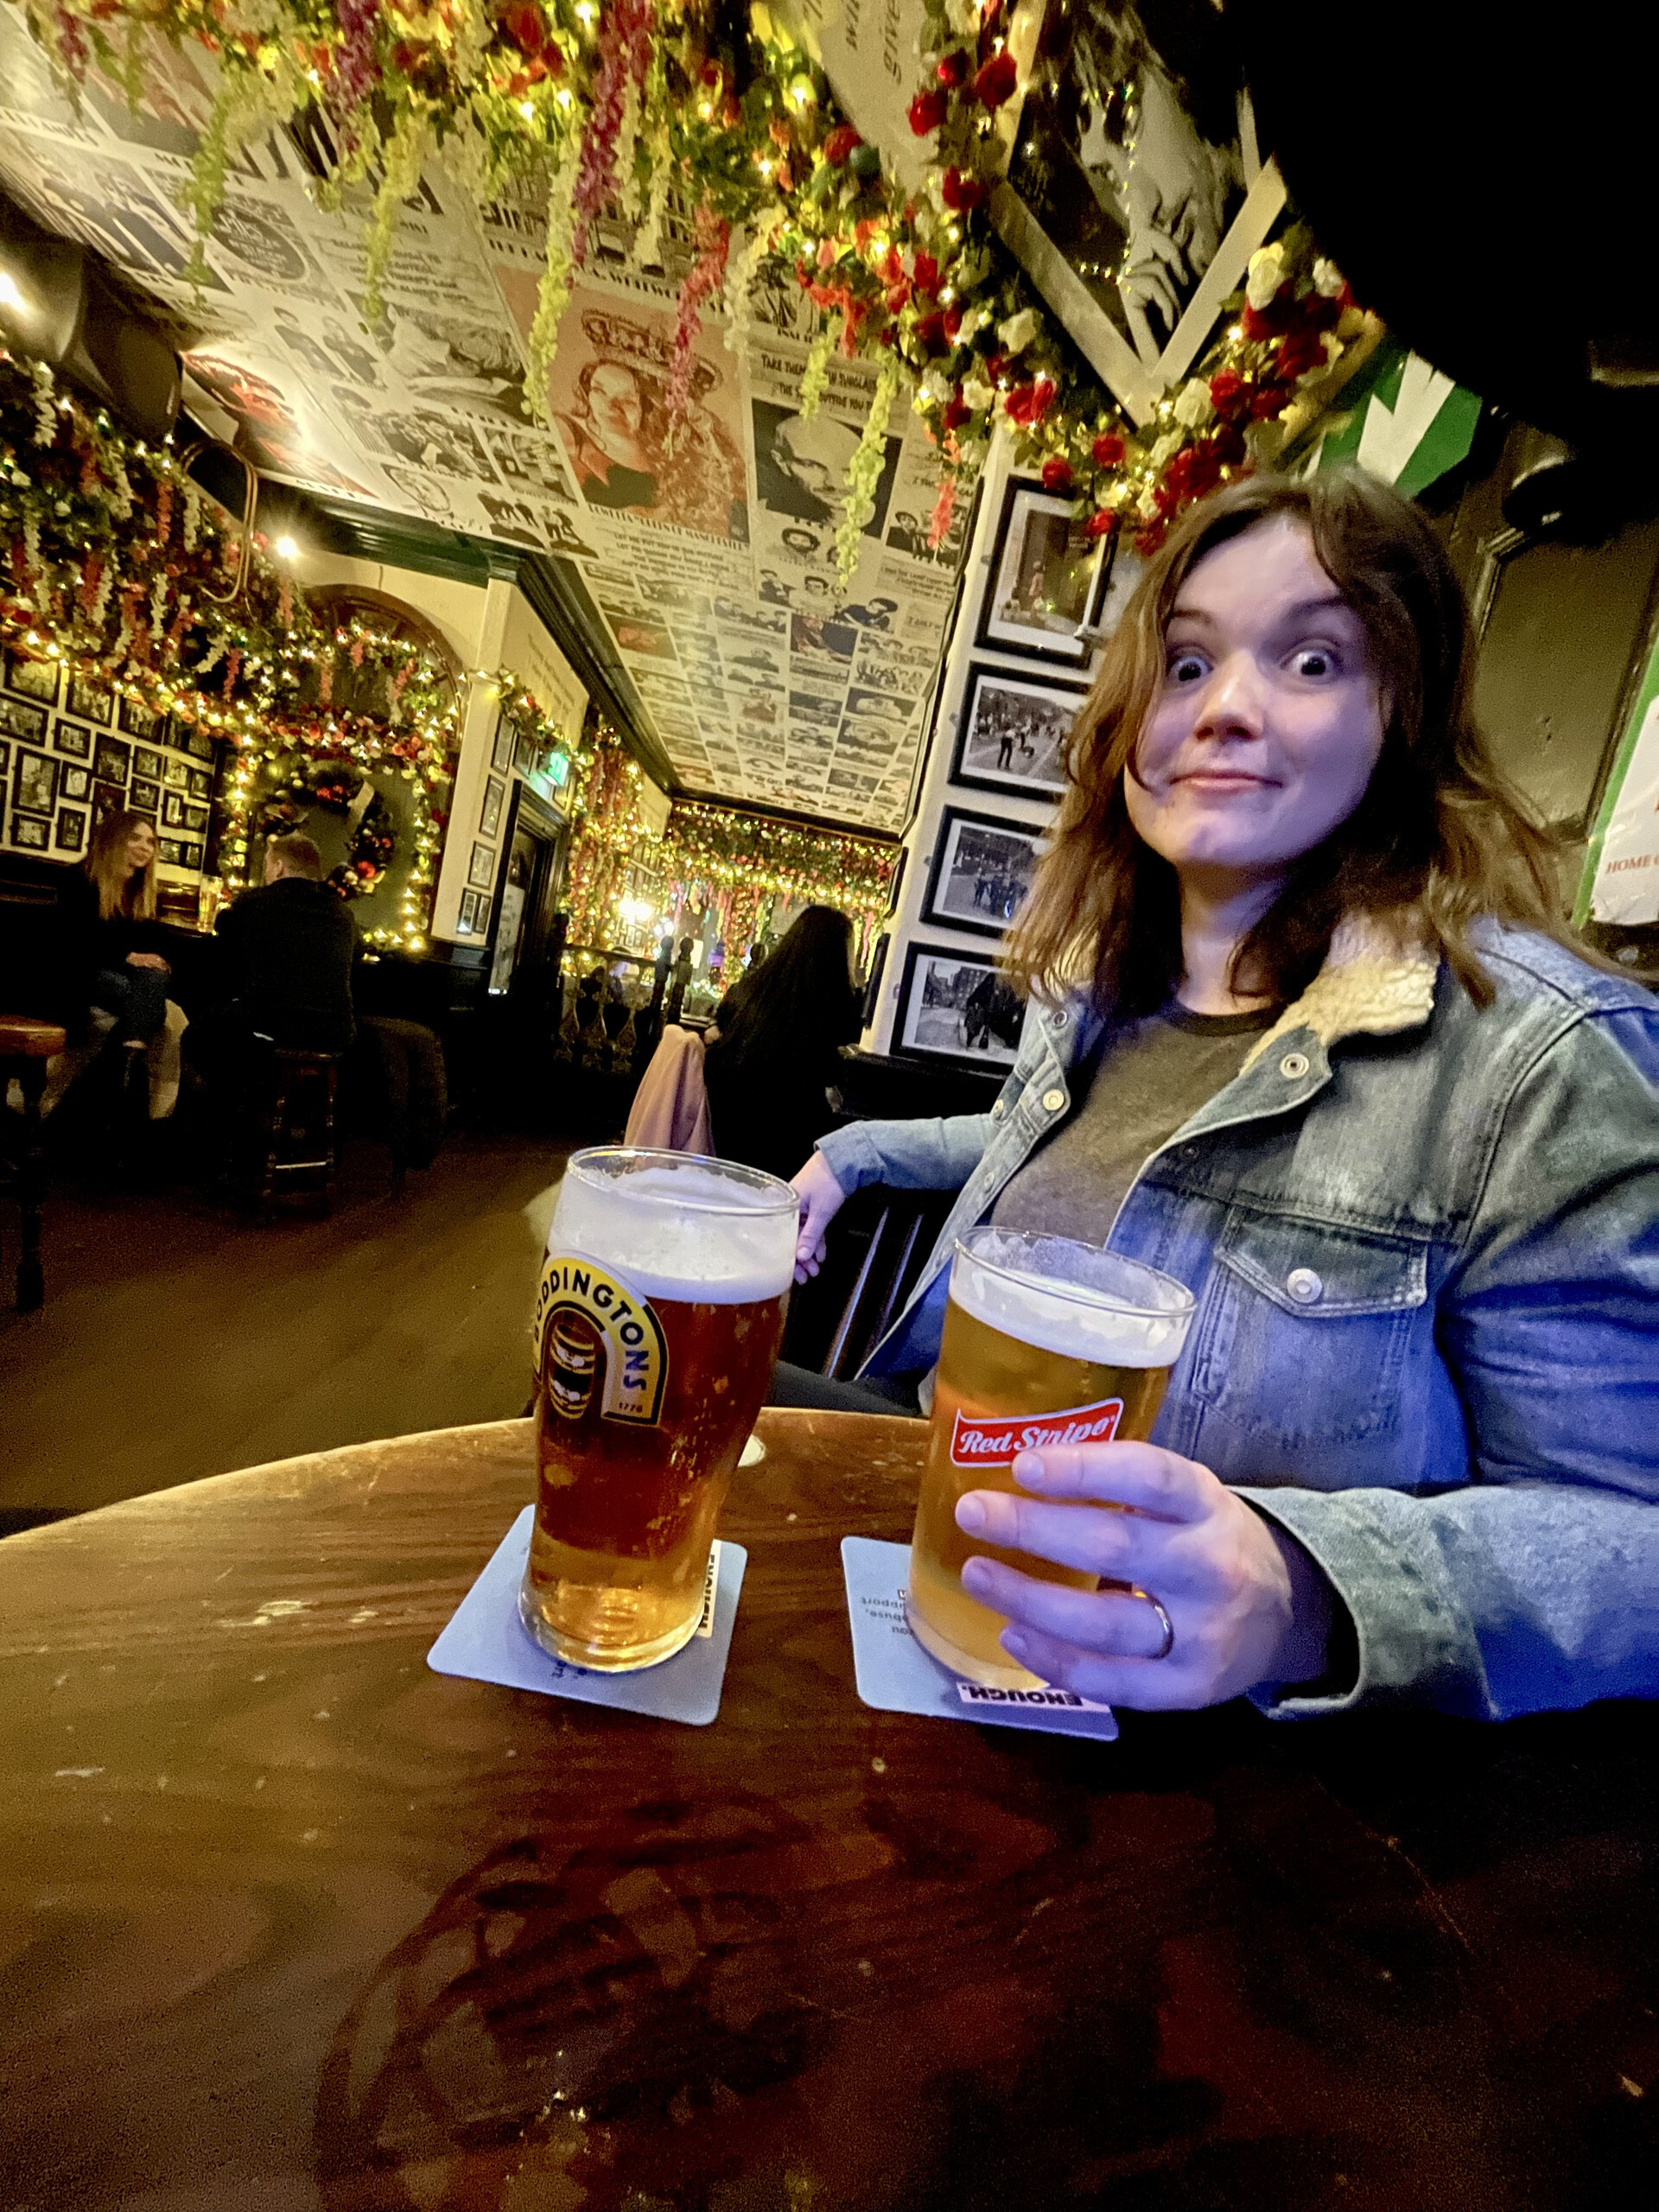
(657, 1326)
(1046, 1341)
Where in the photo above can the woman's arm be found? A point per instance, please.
(937, 1154)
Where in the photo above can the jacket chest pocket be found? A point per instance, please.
(1303, 1332)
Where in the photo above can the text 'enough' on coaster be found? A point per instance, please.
(896, 1675)
(487, 1641)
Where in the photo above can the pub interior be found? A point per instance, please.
(829, 1109)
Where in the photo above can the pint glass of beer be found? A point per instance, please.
(1046, 1342)
(656, 1327)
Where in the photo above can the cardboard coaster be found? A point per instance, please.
(896, 1675)
(487, 1641)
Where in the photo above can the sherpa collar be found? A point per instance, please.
(1374, 981)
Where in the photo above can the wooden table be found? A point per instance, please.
(287, 1920)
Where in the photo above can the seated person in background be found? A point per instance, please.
(781, 1028)
(1308, 1033)
(114, 975)
(289, 948)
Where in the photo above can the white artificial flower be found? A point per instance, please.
(936, 387)
(973, 321)
(1147, 504)
(1267, 275)
(1328, 279)
(977, 393)
(963, 15)
(1168, 447)
(1195, 406)
(1017, 333)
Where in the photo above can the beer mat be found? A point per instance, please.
(896, 1675)
(487, 1641)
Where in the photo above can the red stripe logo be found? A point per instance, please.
(994, 1441)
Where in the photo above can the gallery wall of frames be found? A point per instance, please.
(72, 751)
(1016, 670)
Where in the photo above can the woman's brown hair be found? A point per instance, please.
(1438, 839)
(118, 892)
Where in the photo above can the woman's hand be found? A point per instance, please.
(149, 960)
(1246, 1602)
(822, 1199)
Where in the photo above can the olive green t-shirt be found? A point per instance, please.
(1155, 1074)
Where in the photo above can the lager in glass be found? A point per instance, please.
(656, 1327)
(1046, 1341)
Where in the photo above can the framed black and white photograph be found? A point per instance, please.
(147, 762)
(29, 833)
(139, 721)
(74, 739)
(88, 702)
(32, 679)
(1045, 572)
(954, 1006)
(1010, 732)
(467, 921)
(190, 853)
(69, 832)
(5, 762)
(107, 800)
(897, 882)
(524, 752)
(74, 782)
(501, 759)
(201, 782)
(145, 797)
(173, 810)
(34, 783)
(982, 871)
(483, 867)
(112, 760)
(194, 818)
(494, 792)
(23, 719)
(175, 774)
(197, 743)
(170, 851)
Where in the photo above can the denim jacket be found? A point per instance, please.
(1424, 1239)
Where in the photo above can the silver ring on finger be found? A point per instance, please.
(1168, 1643)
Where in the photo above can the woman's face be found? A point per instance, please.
(1268, 720)
(141, 847)
(613, 401)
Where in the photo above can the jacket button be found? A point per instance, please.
(1304, 1285)
(1052, 1101)
(999, 1109)
(1293, 1066)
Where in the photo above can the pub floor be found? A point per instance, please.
(180, 1340)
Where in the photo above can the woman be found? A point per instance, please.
(781, 1028)
(1305, 1035)
(115, 978)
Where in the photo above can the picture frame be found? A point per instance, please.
(107, 800)
(148, 763)
(69, 831)
(74, 781)
(897, 885)
(74, 739)
(482, 869)
(191, 852)
(878, 970)
(24, 719)
(981, 869)
(490, 817)
(1043, 579)
(200, 783)
(175, 774)
(953, 1006)
(1010, 731)
(467, 920)
(29, 833)
(32, 679)
(143, 796)
(89, 703)
(197, 743)
(5, 763)
(524, 752)
(34, 782)
(194, 818)
(112, 761)
(173, 810)
(170, 851)
(139, 721)
(501, 758)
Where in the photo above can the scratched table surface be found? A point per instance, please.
(287, 1920)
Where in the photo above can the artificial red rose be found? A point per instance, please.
(953, 68)
(1229, 443)
(899, 296)
(995, 365)
(930, 333)
(925, 275)
(840, 143)
(1272, 320)
(1226, 391)
(996, 81)
(367, 870)
(1026, 406)
(928, 111)
(952, 323)
(1148, 541)
(1057, 473)
(962, 194)
(956, 411)
(1266, 402)
(710, 72)
(1108, 449)
(1318, 312)
(525, 25)
(1300, 352)
(1100, 524)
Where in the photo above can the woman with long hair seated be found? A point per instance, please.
(1307, 1033)
(115, 976)
(778, 1047)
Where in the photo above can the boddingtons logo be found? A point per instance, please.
(621, 1331)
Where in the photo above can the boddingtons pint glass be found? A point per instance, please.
(1046, 1341)
(657, 1321)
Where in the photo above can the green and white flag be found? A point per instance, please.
(1403, 420)
(1620, 883)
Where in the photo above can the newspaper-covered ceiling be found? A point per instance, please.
(707, 548)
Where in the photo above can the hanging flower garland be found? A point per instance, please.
(337, 784)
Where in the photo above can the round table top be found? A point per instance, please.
(289, 1921)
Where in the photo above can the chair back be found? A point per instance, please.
(890, 1234)
(670, 1108)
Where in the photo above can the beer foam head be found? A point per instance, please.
(678, 1226)
(1072, 1299)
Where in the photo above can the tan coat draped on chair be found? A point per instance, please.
(670, 1108)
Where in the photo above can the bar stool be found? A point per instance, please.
(303, 1084)
(26, 1045)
